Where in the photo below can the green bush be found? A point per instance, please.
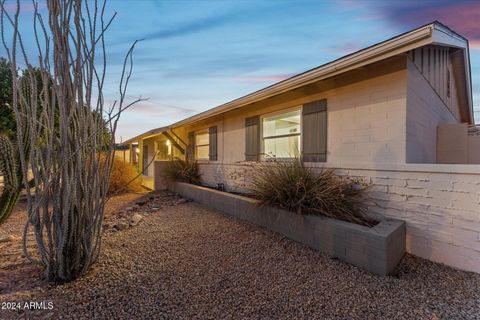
(292, 186)
(183, 171)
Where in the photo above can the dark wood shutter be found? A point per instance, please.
(191, 146)
(252, 138)
(314, 131)
(212, 143)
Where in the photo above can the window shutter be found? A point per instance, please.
(252, 137)
(212, 143)
(314, 131)
(191, 146)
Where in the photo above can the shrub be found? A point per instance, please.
(124, 178)
(292, 186)
(183, 171)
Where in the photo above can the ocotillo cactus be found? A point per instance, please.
(8, 168)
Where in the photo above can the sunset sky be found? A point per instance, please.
(198, 54)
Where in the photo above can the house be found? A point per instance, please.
(398, 113)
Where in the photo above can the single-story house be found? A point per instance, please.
(398, 113)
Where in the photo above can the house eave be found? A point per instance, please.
(384, 50)
(145, 135)
(432, 33)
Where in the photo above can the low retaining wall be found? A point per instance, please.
(377, 249)
(440, 203)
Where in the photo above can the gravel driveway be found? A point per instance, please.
(186, 261)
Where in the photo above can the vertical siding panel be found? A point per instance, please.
(430, 66)
(435, 70)
(418, 59)
(439, 72)
(441, 75)
(423, 61)
(444, 75)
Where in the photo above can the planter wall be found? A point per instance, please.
(377, 249)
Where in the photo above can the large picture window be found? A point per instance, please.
(281, 135)
(201, 145)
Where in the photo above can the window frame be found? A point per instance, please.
(198, 132)
(263, 156)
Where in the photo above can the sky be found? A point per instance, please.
(195, 55)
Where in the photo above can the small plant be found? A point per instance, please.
(183, 171)
(292, 186)
(124, 178)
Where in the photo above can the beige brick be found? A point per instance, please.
(390, 181)
(466, 187)
(407, 191)
(429, 184)
(438, 202)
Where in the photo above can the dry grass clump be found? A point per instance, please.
(124, 178)
(292, 186)
(183, 171)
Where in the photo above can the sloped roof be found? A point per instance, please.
(434, 33)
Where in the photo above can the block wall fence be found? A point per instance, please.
(439, 203)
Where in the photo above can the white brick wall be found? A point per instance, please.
(440, 204)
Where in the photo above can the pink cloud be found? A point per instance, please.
(265, 78)
(462, 16)
(346, 48)
(24, 6)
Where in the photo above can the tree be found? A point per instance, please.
(9, 156)
(7, 116)
(67, 199)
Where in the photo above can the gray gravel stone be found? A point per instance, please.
(189, 262)
(121, 225)
(136, 219)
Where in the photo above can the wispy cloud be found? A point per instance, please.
(192, 27)
(24, 6)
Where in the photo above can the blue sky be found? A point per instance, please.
(198, 54)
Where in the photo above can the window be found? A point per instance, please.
(281, 135)
(201, 145)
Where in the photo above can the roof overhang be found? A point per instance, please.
(445, 36)
(145, 135)
(431, 34)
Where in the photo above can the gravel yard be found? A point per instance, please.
(184, 261)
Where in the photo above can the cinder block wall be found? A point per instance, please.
(425, 111)
(366, 115)
(439, 203)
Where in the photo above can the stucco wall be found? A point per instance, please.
(439, 203)
(151, 151)
(425, 111)
(473, 142)
(366, 116)
(458, 144)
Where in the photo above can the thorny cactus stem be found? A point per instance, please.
(8, 168)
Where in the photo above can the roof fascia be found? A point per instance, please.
(411, 40)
